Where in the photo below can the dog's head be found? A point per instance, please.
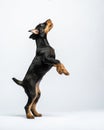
(41, 30)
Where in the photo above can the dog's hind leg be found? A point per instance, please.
(29, 114)
(33, 108)
(31, 92)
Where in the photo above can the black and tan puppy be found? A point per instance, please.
(41, 64)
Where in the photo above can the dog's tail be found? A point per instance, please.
(18, 81)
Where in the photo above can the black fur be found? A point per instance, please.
(41, 64)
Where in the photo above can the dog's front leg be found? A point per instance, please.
(50, 60)
(56, 63)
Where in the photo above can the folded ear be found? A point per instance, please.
(35, 31)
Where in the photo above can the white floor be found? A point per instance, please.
(89, 120)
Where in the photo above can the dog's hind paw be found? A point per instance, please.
(29, 116)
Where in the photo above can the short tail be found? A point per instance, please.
(18, 81)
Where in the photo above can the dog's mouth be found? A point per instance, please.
(49, 26)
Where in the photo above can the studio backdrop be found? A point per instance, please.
(77, 37)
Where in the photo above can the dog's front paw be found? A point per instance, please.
(61, 69)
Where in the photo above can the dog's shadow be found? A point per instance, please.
(23, 116)
(46, 115)
(13, 115)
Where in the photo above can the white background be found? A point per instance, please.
(78, 38)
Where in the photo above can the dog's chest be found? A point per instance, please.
(52, 52)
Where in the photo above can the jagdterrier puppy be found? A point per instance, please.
(41, 64)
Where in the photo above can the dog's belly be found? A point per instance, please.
(37, 71)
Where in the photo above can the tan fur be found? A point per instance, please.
(29, 113)
(61, 69)
(49, 26)
(33, 108)
(35, 111)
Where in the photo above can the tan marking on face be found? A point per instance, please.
(49, 26)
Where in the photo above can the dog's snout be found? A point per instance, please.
(49, 21)
(49, 26)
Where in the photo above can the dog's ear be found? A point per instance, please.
(35, 31)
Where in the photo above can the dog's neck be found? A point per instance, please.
(42, 42)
